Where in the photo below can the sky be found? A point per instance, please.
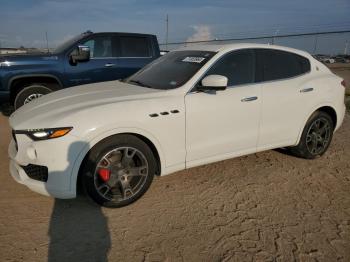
(24, 22)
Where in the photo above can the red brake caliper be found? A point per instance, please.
(104, 174)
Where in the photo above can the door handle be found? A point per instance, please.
(109, 65)
(248, 99)
(306, 90)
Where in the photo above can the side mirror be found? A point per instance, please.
(213, 83)
(80, 54)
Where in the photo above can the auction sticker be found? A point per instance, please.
(193, 59)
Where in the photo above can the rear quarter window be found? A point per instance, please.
(278, 65)
(134, 46)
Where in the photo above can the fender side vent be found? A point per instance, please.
(175, 111)
(153, 115)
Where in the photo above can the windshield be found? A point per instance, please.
(171, 70)
(62, 47)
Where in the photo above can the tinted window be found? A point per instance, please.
(276, 64)
(304, 64)
(134, 47)
(100, 46)
(238, 67)
(171, 70)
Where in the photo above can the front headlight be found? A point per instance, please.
(45, 133)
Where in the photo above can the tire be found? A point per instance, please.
(131, 166)
(318, 122)
(30, 93)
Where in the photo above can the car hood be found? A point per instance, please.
(46, 111)
(19, 59)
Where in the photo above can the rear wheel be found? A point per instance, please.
(316, 136)
(118, 171)
(30, 93)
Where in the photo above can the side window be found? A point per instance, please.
(134, 46)
(238, 67)
(276, 64)
(304, 64)
(100, 47)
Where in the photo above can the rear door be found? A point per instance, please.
(134, 52)
(286, 93)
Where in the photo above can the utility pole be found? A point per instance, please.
(346, 48)
(167, 32)
(47, 42)
(315, 45)
(275, 34)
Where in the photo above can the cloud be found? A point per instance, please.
(202, 33)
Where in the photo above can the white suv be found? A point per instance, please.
(190, 107)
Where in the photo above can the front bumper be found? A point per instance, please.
(20, 176)
(57, 155)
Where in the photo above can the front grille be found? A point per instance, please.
(14, 138)
(36, 172)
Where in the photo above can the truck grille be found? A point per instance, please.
(36, 172)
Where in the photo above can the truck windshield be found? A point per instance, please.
(66, 44)
(171, 70)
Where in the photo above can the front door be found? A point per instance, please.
(226, 123)
(102, 65)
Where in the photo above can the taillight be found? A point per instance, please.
(343, 83)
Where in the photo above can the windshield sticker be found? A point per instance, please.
(193, 59)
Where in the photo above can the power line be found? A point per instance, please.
(261, 37)
(284, 29)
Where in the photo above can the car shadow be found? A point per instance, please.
(284, 151)
(6, 109)
(78, 229)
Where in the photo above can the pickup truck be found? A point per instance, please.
(86, 58)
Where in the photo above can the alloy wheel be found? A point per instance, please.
(31, 98)
(318, 136)
(121, 173)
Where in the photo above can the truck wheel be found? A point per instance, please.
(316, 136)
(30, 93)
(118, 170)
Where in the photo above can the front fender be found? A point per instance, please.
(26, 76)
(93, 140)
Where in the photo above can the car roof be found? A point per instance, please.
(229, 47)
(120, 33)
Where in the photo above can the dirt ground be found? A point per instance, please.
(262, 207)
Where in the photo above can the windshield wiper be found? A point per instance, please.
(139, 83)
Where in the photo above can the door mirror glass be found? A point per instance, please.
(213, 83)
(80, 54)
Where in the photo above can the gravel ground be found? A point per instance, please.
(262, 207)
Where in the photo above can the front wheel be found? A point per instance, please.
(118, 170)
(30, 93)
(316, 136)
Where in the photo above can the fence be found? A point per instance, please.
(332, 43)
